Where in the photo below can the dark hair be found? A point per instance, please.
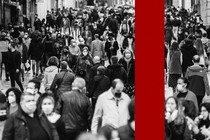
(64, 65)
(47, 94)
(190, 109)
(17, 93)
(53, 61)
(114, 59)
(196, 59)
(36, 82)
(106, 131)
(101, 70)
(206, 105)
(184, 80)
(115, 82)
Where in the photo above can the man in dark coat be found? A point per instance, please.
(26, 123)
(111, 46)
(75, 109)
(13, 65)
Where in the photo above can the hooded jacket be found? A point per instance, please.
(49, 75)
(198, 82)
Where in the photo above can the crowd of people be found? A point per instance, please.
(187, 92)
(89, 89)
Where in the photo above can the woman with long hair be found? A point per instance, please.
(201, 52)
(174, 64)
(174, 119)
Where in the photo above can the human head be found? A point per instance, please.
(33, 86)
(26, 35)
(96, 59)
(128, 54)
(53, 61)
(189, 108)
(47, 103)
(80, 84)
(117, 88)
(64, 65)
(196, 59)
(13, 95)
(96, 36)
(114, 59)
(73, 43)
(28, 103)
(171, 104)
(106, 131)
(182, 84)
(85, 51)
(205, 110)
(174, 46)
(12, 44)
(101, 70)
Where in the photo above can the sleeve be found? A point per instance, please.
(97, 115)
(61, 130)
(206, 83)
(177, 130)
(89, 114)
(54, 83)
(45, 79)
(8, 132)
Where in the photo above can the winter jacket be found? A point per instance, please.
(117, 71)
(190, 97)
(24, 53)
(100, 84)
(126, 132)
(36, 50)
(62, 82)
(111, 52)
(76, 110)
(198, 82)
(16, 127)
(97, 48)
(188, 51)
(129, 68)
(13, 60)
(49, 75)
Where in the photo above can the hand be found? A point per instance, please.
(17, 70)
(197, 121)
(205, 131)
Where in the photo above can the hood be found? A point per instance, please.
(51, 68)
(114, 66)
(98, 78)
(196, 68)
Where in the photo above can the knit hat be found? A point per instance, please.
(85, 48)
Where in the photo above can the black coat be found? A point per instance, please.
(101, 83)
(36, 50)
(111, 52)
(13, 60)
(16, 127)
(117, 71)
(130, 69)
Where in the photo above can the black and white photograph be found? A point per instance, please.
(187, 69)
(67, 69)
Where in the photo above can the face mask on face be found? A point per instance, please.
(11, 99)
(118, 94)
(127, 55)
(25, 36)
(180, 87)
(85, 53)
(48, 109)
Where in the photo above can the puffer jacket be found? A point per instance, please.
(16, 127)
(76, 110)
(49, 75)
(62, 82)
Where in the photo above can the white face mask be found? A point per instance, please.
(47, 109)
(85, 53)
(180, 87)
(11, 99)
(127, 55)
